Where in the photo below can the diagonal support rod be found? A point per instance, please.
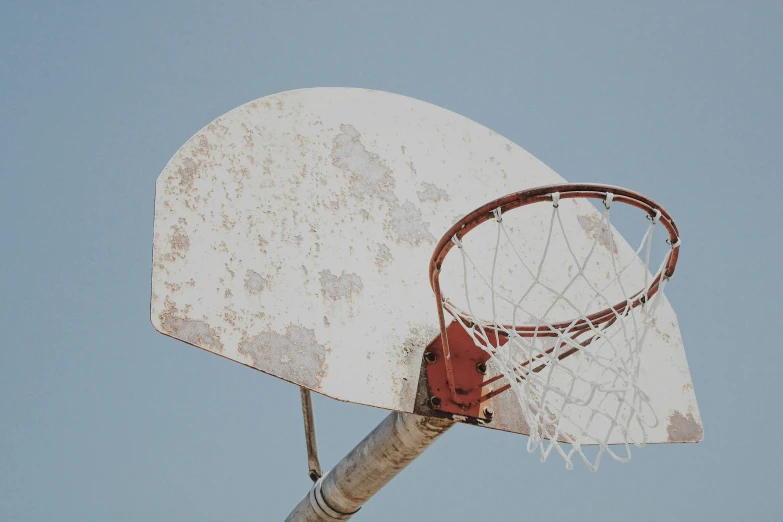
(313, 465)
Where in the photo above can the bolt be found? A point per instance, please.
(314, 476)
(435, 402)
(430, 357)
(482, 368)
(489, 413)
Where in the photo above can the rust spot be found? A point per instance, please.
(179, 240)
(203, 146)
(684, 428)
(230, 316)
(340, 287)
(296, 354)
(255, 283)
(590, 225)
(187, 175)
(430, 192)
(172, 287)
(226, 221)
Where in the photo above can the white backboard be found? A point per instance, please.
(293, 235)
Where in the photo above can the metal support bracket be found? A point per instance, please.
(469, 365)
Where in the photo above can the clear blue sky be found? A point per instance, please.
(103, 419)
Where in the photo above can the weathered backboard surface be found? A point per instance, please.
(293, 235)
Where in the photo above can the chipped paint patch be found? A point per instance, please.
(508, 412)
(420, 336)
(432, 192)
(406, 224)
(193, 331)
(410, 357)
(296, 354)
(383, 257)
(684, 428)
(340, 287)
(255, 283)
(590, 223)
(369, 174)
(370, 177)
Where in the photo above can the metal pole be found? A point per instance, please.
(392, 445)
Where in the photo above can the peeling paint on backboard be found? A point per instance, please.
(296, 352)
(684, 428)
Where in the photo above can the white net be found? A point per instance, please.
(564, 319)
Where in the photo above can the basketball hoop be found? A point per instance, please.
(576, 379)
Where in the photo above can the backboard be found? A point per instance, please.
(293, 235)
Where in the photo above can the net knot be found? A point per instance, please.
(555, 199)
(497, 214)
(655, 217)
(456, 241)
(675, 244)
(608, 199)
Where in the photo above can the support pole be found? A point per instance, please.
(392, 445)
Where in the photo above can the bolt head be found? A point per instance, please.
(489, 413)
(430, 357)
(435, 402)
(481, 368)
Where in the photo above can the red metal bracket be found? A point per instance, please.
(468, 363)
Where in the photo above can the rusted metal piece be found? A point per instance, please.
(523, 198)
(387, 450)
(313, 465)
(469, 380)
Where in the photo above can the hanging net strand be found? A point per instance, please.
(576, 380)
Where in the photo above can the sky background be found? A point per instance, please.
(102, 418)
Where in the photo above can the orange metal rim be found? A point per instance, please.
(541, 195)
